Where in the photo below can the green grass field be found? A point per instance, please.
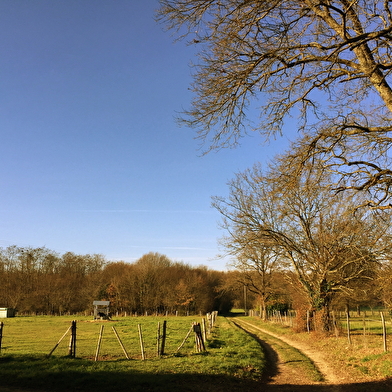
(233, 360)
(38, 335)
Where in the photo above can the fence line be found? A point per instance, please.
(342, 322)
(201, 333)
(1, 333)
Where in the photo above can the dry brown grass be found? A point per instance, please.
(362, 360)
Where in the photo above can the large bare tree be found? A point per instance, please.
(326, 61)
(327, 245)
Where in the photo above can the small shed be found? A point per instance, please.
(7, 312)
(101, 309)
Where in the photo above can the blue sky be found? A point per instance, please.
(91, 157)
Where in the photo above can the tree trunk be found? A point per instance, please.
(323, 321)
(263, 309)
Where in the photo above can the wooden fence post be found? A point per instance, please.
(348, 328)
(185, 339)
(159, 340)
(335, 327)
(54, 348)
(307, 321)
(1, 333)
(204, 329)
(141, 341)
(120, 342)
(209, 323)
(99, 343)
(72, 341)
(163, 340)
(384, 332)
(198, 338)
(364, 324)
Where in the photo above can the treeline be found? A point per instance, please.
(40, 281)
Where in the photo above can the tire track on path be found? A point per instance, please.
(283, 373)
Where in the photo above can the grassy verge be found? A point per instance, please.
(233, 360)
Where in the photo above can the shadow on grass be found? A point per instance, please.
(238, 313)
(28, 373)
(363, 387)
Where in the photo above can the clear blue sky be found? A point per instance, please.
(92, 160)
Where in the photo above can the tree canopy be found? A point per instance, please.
(326, 62)
(328, 248)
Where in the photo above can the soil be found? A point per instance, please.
(283, 378)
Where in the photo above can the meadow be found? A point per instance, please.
(232, 360)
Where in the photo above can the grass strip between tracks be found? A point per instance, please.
(289, 355)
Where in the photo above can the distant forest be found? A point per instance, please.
(40, 281)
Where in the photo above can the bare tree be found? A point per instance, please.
(328, 247)
(327, 62)
(257, 262)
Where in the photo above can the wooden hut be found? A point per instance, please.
(101, 310)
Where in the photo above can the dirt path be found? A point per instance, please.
(283, 377)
